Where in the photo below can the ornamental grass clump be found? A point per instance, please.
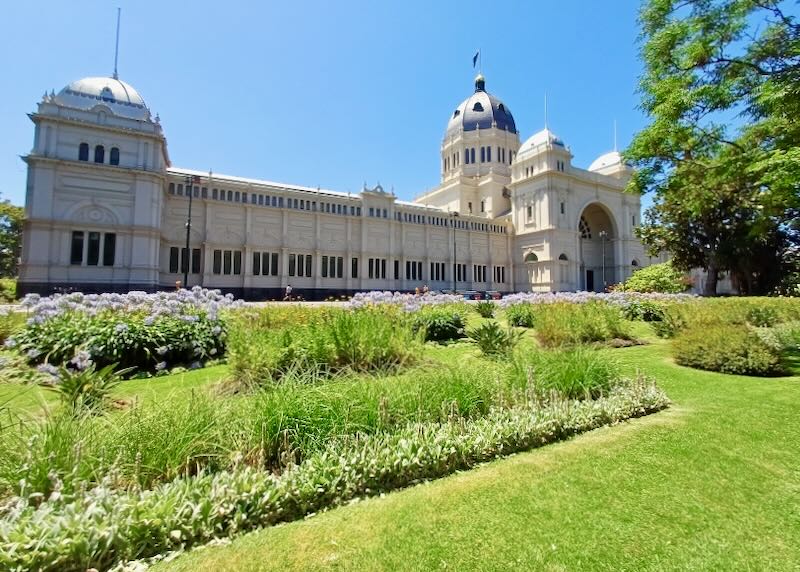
(574, 373)
(726, 348)
(521, 315)
(493, 340)
(485, 308)
(367, 339)
(563, 324)
(149, 332)
(102, 526)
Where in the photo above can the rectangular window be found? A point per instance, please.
(324, 266)
(256, 263)
(226, 262)
(76, 247)
(274, 264)
(292, 264)
(562, 208)
(354, 267)
(109, 248)
(173, 259)
(237, 262)
(340, 267)
(383, 268)
(217, 262)
(371, 272)
(308, 265)
(93, 251)
(184, 261)
(195, 261)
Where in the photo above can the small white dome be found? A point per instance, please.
(545, 136)
(610, 159)
(120, 97)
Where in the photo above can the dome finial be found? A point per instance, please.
(480, 82)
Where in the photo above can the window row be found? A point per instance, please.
(90, 248)
(227, 262)
(376, 268)
(413, 270)
(502, 155)
(178, 260)
(332, 267)
(478, 273)
(460, 271)
(265, 264)
(378, 213)
(499, 275)
(437, 271)
(300, 265)
(99, 154)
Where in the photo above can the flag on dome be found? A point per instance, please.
(475, 58)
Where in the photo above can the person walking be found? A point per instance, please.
(288, 296)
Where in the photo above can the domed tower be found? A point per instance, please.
(94, 193)
(479, 146)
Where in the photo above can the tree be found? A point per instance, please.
(721, 153)
(11, 218)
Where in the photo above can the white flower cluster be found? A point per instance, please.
(617, 298)
(409, 302)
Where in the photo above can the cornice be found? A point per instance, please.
(90, 166)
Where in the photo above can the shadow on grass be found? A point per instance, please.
(791, 361)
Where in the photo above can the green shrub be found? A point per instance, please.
(661, 277)
(563, 324)
(493, 340)
(576, 373)
(8, 290)
(520, 315)
(440, 323)
(485, 308)
(644, 310)
(727, 349)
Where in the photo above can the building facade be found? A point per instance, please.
(106, 211)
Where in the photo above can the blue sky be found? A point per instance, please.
(328, 93)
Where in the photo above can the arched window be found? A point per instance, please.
(477, 106)
(99, 154)
(114, 156)
(456, 113)
(634, 262)
(584, 229)
(563, 257)
(502, 108)
(531, 257)
(83, 152)
(106, 94)
(472, 155)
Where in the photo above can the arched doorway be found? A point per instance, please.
(596, 241)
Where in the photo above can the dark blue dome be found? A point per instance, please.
(481, 110)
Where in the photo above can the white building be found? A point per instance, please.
(105, 211)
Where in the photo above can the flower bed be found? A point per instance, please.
(146, 331)
(104, 526)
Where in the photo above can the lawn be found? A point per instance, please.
(710, 484)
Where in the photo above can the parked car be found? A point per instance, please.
(491, 295)
(472, 295)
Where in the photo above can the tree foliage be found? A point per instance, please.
(11, 218)
(722, 151)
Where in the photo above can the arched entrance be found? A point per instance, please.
(596, 241)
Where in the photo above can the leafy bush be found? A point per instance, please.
(485, 308)
(727, 349)
(440, 323)
(655, 278)
(145, 331)
(563, 324)
(100, 527)
(644, 310)
(8, 290)
(368, 339)
(493, 340)
(576, 373)
(521, 315)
